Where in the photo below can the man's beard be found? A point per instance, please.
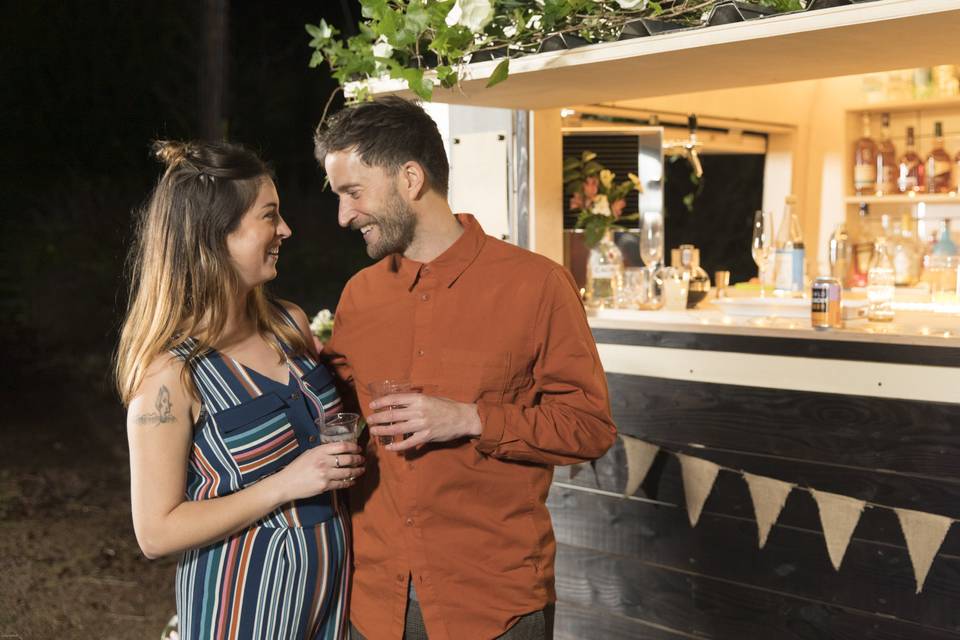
(397, 226)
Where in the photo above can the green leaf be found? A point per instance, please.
(688, 201)
(588, 156)
(657, 9)
(421, 86)
(500, 73)
(570, 161)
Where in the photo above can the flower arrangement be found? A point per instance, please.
(596, 195)
(322, 325)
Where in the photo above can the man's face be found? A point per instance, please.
(371, 203)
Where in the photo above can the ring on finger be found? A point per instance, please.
(336, 460)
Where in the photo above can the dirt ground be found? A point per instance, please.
(69, 563)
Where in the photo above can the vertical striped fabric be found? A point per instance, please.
(287, 576)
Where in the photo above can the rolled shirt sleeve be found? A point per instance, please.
(569, 420)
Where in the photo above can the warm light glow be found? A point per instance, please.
(566, 113)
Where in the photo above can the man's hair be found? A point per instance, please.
(386, 133)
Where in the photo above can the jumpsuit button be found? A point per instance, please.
(312, 439)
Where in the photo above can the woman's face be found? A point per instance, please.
(254, 246)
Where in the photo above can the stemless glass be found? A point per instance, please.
(762, 244)
(651, 251)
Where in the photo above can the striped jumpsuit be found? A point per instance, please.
(287, 575)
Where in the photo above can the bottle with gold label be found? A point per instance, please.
(887, 168)
(938, 166)
(865, 161)
(910, 168)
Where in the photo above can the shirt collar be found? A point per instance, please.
(450, 264)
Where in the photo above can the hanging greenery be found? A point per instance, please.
(406, 39)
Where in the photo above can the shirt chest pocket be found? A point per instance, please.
(475, 375)
(259, 436)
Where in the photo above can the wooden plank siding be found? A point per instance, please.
(634, 568)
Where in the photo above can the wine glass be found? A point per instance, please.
(651, 248)
(762, 243)
(651, 238)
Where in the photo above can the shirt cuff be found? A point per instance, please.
(492, 421)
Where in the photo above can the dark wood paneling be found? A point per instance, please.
(574, 622)
(873, 578)
(797, 347)
(730, 495)
(711, 608)
(871, 433)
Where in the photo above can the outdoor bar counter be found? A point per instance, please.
(870, 412)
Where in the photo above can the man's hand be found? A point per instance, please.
(425, 418)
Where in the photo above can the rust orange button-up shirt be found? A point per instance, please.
(485, 323)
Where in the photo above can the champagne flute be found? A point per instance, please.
(762, 243)
(651, 246)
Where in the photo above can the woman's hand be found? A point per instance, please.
(330, 466)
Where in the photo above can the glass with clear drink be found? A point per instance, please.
(341, 427)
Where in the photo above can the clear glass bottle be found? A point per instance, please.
(904, 250)
(880, 284)
(886, 160)
(865, 161)
(863, 247)
(789, 263)
(604, 273)
(910, 168)
(945, 245)
(938, 165)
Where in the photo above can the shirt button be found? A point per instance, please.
(400, 577)
(426, 270)
(419, 352)
(312, 439)
(425, 297)
(409, 522)
(410, 466)
(294, 396)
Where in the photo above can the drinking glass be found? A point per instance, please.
(636, 288)
(383, 388)
(341, 427)
(651, 250)
(762, 244)
(676, 287)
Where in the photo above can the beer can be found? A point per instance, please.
(825, 310)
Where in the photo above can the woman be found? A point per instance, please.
(222, 388)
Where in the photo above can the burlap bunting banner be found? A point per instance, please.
(698, 478)
(839, 516)
(640, 456)
(768, 496)
(924, 533)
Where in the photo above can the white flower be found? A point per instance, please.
(382, 48)
(631, 4)
(472, 14)
(601, 206)
(453, 17)
(606, 178)
(321, 322)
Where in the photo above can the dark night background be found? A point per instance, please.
(86, 87)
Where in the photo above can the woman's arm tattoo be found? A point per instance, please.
(164, 411)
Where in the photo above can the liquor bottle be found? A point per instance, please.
(886, 160)
(945, 245)
(865, 161)
(904, 252)
(910, 174)
(880, 284)
(938, 163)
(841, 256)
(956, 172)
(789, 263)
(604, 273)
(862, 248)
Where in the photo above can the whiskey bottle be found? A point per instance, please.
(865, 161)
(910, 168)
(938, 163)
(886, 160)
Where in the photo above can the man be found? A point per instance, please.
(451, 531)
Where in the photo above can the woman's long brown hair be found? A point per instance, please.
(181, 277)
